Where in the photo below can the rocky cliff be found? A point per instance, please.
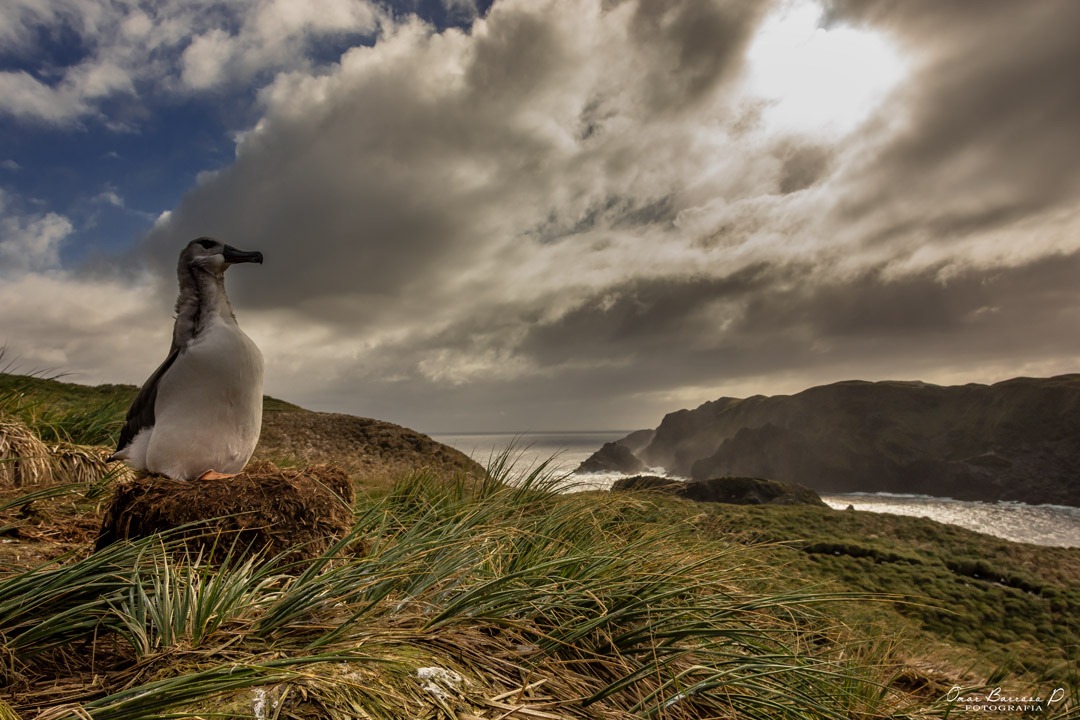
(1015, 440)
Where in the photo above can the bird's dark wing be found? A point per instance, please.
(141, 413)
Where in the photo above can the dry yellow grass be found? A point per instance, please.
(24, 459)
(84, 463)
(6, 713)
(27, 461)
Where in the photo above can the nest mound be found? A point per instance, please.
(298, 514)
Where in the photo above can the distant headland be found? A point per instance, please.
(1017, 440)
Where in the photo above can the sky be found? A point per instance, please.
(528, 215)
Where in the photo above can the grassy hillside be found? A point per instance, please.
(291, 436)
(1008, 606)
(83, 414)
(458, 597)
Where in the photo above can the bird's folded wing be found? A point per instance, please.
(141, 413)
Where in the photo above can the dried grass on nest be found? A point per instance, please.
(85, 463)
(24, 459)
(263, 509)
(6, 713)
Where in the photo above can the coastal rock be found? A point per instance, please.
(612, 457)
(649, 483)
(1017, 440)
(638, 440)
(730, 490)
(750, 491)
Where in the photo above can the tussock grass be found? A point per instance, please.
(44, 439)
(466, 597)
(85, 423)
(56, 414)
(1009, 606)
(27, 461)
(24, 459)
(85, 464)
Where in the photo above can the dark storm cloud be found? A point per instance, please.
(576, 215)
(988, 125)
(694, 46)
(631, 341)
(643, 316)
(400, 171)
(570, 204)
(986, 306)
(804, 165)
(786, 317)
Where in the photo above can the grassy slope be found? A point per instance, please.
(1008, 605)
(948, 620)
(56, 393)
(291, 436)
(84, 414)
(557, 606)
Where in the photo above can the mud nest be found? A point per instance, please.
(295, 514)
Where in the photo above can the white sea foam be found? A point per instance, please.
(1019, 522)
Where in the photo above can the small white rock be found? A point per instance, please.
(440, 682)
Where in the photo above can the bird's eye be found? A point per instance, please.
(207, 243)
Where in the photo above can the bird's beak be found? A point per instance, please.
(233, 256)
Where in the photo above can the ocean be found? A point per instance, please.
(1038, 524)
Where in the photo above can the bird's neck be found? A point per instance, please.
(202, 299)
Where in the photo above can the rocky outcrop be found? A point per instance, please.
(649, 483)
(750, 491)
(1014, 440)
(731, 490)
(612, 457)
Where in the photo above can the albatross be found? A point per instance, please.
(199, 415)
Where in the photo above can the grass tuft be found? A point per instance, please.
(24, 459)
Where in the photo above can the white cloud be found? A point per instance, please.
(98, 329)
(94, 329)
(110, 197)
(175, 46)
(30, 242)
(27, 97)
(818, 78)
(205, 60)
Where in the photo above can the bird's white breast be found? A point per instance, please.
(208, 411)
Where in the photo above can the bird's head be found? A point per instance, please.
(214, 256)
